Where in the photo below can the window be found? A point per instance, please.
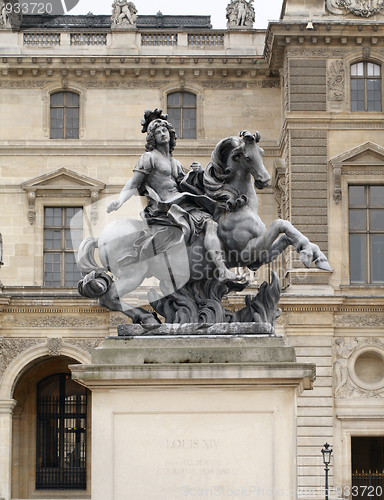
(61, 434)
(366, 234)
(365, 87)
(63, 232)
(368, 466)
(64, 115)
(181, 108)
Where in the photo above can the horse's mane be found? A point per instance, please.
(218, 174)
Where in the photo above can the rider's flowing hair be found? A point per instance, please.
(150, 145)
(218, 174)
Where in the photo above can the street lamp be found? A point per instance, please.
(327, 460)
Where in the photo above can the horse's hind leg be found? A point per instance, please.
(113, 298)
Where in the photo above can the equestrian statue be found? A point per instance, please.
(195, 228)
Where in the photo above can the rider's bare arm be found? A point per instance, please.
(128, 190)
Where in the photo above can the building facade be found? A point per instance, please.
(73, 90)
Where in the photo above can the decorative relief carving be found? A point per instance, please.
(337, 194)
(125, 84)
(118, 319)
(94, 211)
(54, 346)
(366, 52)
(54, 322)
(63, 195)
(343, 350)
(366, 320)
(318, 53)
(363, 8)
(336, 81)
(31, 204)
(23, 84)
(85, 344)
(345, 385)
(225, 84)
(11, 348)
(279, 188)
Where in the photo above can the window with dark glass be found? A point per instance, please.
(181, 108)
(365, 86)
(61, 434)
(366, 234)
(64, 115)
(367, 467)
(63, 232)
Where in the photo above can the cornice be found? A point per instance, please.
(200, 147)
(328, 38)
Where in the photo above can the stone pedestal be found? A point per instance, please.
(194, 417)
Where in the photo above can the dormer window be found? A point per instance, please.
(365, 86)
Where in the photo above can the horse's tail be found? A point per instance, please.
(96, 281)
(85, 257)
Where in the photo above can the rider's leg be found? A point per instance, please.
(213, 246)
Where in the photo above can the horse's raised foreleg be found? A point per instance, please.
(265, 248)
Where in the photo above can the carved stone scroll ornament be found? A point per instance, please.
(336, 81)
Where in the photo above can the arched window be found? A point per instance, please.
(64, 115)
(181, 108)
(365, 86)
(61, 434)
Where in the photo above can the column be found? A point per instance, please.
(6, 407)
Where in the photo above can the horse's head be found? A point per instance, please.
(249, 155)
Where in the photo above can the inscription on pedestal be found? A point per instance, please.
(172, 456)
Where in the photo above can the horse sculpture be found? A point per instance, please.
(229, 180)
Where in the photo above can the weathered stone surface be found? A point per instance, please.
(304, 106)
(144, 351)
(193, 329)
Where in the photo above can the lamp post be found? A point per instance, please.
(327, 460)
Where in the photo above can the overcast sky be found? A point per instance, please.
(265, 9)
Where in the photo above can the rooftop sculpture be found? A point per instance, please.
(124, 13)
(195, 227)
(240, 14)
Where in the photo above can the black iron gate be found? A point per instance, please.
(61, 434)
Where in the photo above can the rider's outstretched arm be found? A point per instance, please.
(128, 190)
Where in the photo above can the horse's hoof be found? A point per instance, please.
(306, 258)
(151, 319)
(322, 263)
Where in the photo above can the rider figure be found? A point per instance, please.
(157, 175)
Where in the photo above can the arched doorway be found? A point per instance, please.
(51, 432)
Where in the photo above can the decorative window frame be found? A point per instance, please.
(62, 187)
(363, 165)
(65, 87)
(193, 89)
(366, 55)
